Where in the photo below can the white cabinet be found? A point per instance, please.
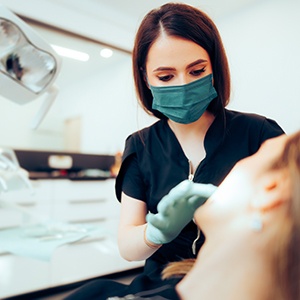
(85, 201)
(39, 202)
(91, 202)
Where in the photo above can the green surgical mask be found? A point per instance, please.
(184, 103)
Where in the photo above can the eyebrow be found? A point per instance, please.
(197, 62)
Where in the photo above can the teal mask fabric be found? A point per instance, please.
(184, 103)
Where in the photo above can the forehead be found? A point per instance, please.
(172, 51)
(273, 146)
(268, 153)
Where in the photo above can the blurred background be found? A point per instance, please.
(96, 108)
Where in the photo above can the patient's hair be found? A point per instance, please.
(288, 263)
(178, 268)
(287, 251)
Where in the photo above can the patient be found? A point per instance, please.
(252, 229)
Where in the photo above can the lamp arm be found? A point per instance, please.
(48, 101)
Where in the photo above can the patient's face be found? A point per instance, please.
(242, 185)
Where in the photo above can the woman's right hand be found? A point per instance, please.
(131, 230)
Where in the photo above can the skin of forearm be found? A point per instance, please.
(132, 245)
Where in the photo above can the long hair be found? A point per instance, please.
(287, 263)
(189, 23)
(287, 251)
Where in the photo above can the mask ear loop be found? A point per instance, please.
(195, 240)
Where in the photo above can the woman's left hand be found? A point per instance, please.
(176, 210)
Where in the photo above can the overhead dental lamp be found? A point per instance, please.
(28, 64)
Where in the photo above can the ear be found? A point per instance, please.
(275, 191)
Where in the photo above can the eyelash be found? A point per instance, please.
(198, 72)
(193, 73)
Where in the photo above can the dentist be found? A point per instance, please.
(169, 169)
(182, 77)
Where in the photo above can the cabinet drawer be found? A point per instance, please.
(35, 202)
(11, 217)
(66, 190)
(85, 201)
(86, 210)
(41, 193)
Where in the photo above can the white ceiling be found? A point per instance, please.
(113, 22)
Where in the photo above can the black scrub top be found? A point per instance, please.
(154, 163)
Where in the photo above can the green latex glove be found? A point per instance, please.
(176, 210)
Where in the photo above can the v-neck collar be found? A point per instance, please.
(213, 137)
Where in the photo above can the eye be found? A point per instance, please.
(165, 78)
(197, 72)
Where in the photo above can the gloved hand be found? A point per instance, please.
(176, 210)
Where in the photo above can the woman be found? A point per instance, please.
(182, 78)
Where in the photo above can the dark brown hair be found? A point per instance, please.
(190, 23)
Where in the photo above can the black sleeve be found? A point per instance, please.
(133, 184)
(261, 130)
(270, 129)
(130, 179)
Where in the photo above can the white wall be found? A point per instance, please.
(15, 131)
(108, 108)
(263, 45)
